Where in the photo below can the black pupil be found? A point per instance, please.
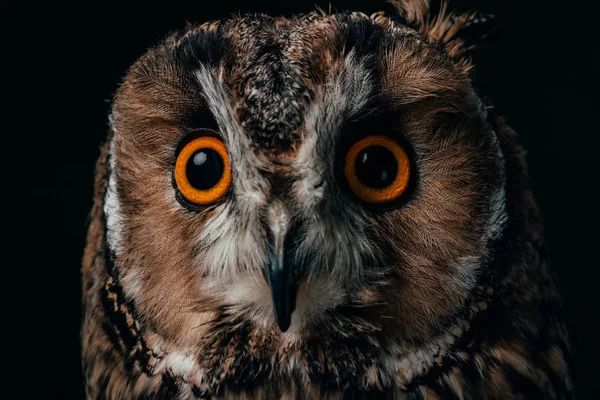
(376, 167)
(204, 169)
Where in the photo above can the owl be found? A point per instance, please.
(316, 207)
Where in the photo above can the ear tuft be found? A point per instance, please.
(414, 12)
(456, 34)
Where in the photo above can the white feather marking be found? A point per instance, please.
(314, 298)
(498, 215)
(131, 281)
(310, 187)
(112, 205)
(337, 240)
(180, 364)
(234, 249)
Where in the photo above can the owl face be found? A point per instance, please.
(282, 170)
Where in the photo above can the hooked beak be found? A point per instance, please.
(282, 278)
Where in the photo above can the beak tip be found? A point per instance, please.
(284, 288)
(283, 323)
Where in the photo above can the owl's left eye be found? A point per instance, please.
(202, 171)
(377, 169)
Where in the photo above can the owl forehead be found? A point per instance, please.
(273, 79)
(274, 68)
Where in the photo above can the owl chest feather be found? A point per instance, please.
(236, 359)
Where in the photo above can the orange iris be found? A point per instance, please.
(377, 169)
(202, 171)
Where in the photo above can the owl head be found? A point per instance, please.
(288, 174)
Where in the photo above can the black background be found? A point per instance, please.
(538, 67)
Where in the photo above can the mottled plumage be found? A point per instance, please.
(445, 292)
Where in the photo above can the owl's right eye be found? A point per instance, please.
(202, 171)
(377, 169)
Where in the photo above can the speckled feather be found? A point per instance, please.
(447, 295)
